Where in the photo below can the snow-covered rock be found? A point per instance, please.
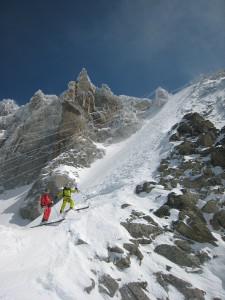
(52, 130)
(84, 83)
(161, 96)
(7, 107)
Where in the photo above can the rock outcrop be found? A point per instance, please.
(8, 107)
(50, 131)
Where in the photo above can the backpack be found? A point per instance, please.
(45, 200)
(66, 192)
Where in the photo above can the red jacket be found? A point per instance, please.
(46, 200)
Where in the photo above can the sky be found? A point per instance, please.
(134, 46)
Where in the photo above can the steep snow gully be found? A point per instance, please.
(59, 262)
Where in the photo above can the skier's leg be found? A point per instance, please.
(71, 203)
(46, 213)
(63, 205)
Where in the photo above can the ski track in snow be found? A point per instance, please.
(46, 263)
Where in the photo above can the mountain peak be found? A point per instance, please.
(161, 96)
(84, 81)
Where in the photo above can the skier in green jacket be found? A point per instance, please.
(66, 194)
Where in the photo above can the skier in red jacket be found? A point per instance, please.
(46, 202)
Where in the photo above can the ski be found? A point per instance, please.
(85, 207)
(76, 209)
(49, 223)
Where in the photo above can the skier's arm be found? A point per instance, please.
(60, 194)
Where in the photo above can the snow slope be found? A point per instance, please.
(50, 263)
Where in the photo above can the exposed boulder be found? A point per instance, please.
(194, 124)
(134, 291)
(89, 288)
(184, 129)
(163, 211)
(203, 256)
(117, 256)
(218, 220)
(108, 285)
(186, 148)
(146, 187)
(133, 250)
(186, 201)
(197, 231)
(115, 249)
(184, 287)
(122, 262)
(183, 245)
(192, 215)
(210, 207)
(218, 156)
(207, 139)
(125, 205)
(144, 241)
(197, 182)
(139, 230)
(177, 255)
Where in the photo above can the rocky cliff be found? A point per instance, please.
(51, 130)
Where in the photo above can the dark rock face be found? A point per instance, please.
(182, 202)
(195, 227)
(194, 124)
(218, 156)
(133, 250)
(183, 245)
(163, 211)
(123, 262)
(177, 255)
(198, 232)
(210, 207)
(196, 174)
(62, 130)
(207, 139)
(134, 291)
(115, 249)
(117, 256)
(125, 205)
(186, 148)
(218, 220)
(88, 289)
(108, 285)
(185, 288)
(144, 241)
(138, 230)
(146, 187)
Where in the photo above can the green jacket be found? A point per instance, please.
(66, 193)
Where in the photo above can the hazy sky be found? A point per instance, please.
(132, 45)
